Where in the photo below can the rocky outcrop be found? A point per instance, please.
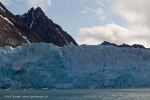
(14, 32)
(37, 21)
(123, 45)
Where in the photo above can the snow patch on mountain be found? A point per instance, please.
(7, 20)
(32, 19)
(48, 66)
(2, 9)
(64, 38)
(26, 39)
(62, 35)
(58, 30)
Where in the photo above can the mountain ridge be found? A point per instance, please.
(49, 31)
(34, 27)
(14, 32)
(123, 45)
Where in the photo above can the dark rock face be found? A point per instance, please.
(108, 43)
(138, 46)
(14, 32)
(123, 45)
(45, 27)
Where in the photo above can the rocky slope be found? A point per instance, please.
(14, 32)
(36, 20)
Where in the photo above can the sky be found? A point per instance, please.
(94, 21)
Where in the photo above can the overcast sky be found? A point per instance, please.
(95, 21)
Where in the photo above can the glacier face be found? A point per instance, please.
(47, 66)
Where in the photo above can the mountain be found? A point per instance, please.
(123, 45)
(48, 66)
(14, 32)
(37, 21)
(108, 43)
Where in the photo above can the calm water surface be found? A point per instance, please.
(76, 94)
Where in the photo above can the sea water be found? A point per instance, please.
(76, 94)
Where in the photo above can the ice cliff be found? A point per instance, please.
(47, 66)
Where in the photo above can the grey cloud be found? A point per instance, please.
(137, 15)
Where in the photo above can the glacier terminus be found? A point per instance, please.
(44, 65)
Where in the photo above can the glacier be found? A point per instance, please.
(43, 65)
